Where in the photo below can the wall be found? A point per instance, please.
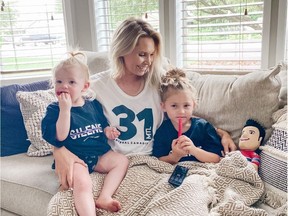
(79, 22)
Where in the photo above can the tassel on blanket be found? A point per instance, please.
(282, 211)
(210, 185)
(273, 199)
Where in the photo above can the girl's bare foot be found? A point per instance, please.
(108, 204)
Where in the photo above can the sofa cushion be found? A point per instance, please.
(228, 101)
(11, 118)
(27, 184)
(97, 61)
(33, 107)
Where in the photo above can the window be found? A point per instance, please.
(198, 34)
(32, 35)
(109, 13)
(221, 35)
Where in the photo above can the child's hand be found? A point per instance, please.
(65, 102)
(186, 145)
(177, 149)
(111, 132)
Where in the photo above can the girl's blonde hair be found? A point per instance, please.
(125, 39)
(175, 79)
(75, 59)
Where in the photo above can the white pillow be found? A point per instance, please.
(229, 101)
(33, 107)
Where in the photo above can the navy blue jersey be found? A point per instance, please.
(201, 132)
(86, 135)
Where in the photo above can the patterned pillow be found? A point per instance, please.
(273, 169)
(33, 107)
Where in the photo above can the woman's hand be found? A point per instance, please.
(226, 141)
(64, 163)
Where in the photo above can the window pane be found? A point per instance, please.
(218, 35)
(110, 13)
(32, 35)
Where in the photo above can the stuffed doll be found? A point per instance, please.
(251, 138)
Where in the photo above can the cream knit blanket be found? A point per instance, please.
(227, 188)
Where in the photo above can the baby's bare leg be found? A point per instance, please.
(82, 191)
(115, 165)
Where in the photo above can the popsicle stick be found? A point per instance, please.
(179, 127)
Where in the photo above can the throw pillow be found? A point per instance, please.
(283, 90)
(33, 107)
(227, 101)
(11, 118)
(274, 155)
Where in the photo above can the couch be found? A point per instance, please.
(29, 186)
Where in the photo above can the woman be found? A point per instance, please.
(129, 95)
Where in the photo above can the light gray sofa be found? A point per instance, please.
(28, 183)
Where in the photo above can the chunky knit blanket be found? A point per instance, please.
(230, 187)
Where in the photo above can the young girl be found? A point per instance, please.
(182, 137)
(77, 122)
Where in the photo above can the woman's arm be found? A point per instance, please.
(64, 162)
(226, 141)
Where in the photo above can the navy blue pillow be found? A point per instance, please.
(13, 133)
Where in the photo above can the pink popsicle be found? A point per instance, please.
(179, 127)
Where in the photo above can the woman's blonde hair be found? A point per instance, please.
(74, 59)
(175, 79)
(125, 39)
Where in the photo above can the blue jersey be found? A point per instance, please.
(86, 136)
(201, 132)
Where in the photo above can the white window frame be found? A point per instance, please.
(274, 31)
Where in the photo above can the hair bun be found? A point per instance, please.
(173, 76)
(80, 56)
(176, 74)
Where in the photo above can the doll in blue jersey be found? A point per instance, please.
(77, 122)
(198, 140)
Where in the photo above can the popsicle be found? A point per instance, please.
(179, 127)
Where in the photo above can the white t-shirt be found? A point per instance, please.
(136, 117)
